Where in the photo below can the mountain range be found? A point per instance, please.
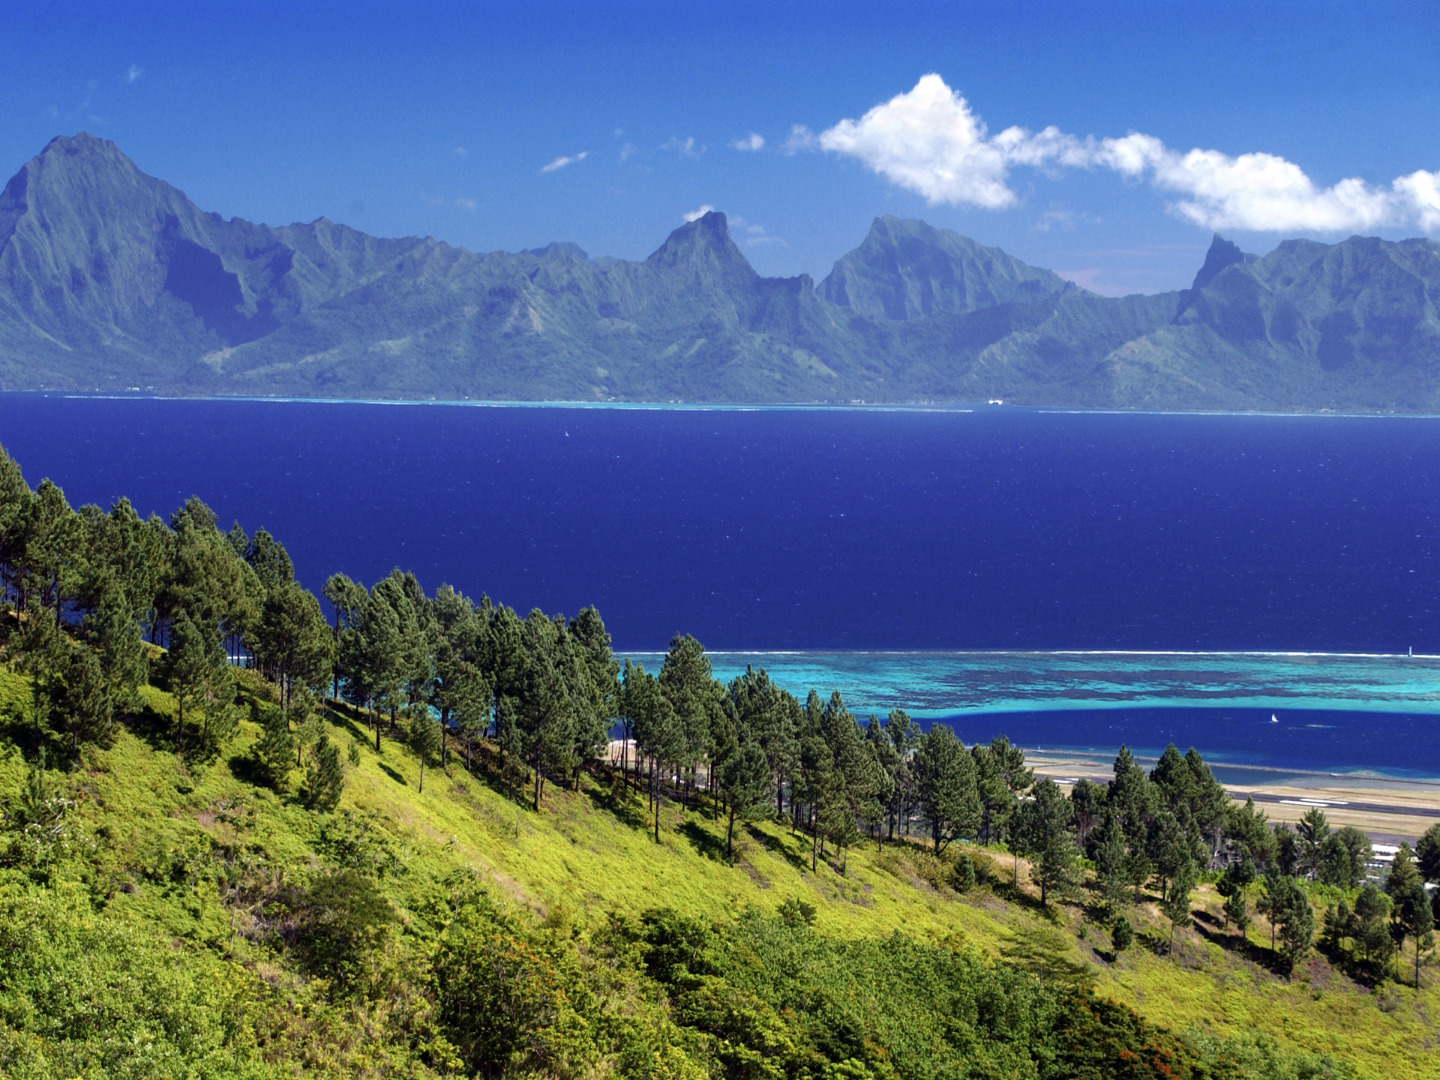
(112, 280)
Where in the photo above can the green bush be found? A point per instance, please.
(512, 998)
(1122, 934)
(84, 995)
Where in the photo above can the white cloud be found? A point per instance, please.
(1422, 191)
(697, 214)
(627, 151)
(133, 72)
(1253, 191)
(750, 142)
(1057, 217)
(467, 204)
(461, 152)
(800, 138)
(561, 162)
(931, 142)
(686, 146)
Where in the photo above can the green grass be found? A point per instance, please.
(154, 825)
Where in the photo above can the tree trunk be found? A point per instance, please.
(537, 785)
(814, 841)
(422, 774)
(730, 851)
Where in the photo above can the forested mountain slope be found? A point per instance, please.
(400, 844)
(113, 280)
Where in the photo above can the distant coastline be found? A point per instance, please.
(741, 406)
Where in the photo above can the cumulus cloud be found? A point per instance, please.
(698, 213)
(750, 142)
(561, 162)
(133, 72)
(930, 141)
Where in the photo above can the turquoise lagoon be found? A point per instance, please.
(1274, 712)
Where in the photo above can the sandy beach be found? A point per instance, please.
(1388, 809)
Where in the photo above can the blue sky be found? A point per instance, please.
(440, 119)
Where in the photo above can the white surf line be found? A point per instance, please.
(958, 653)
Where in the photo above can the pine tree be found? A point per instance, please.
(1312, 834)
(1427, 854)
(324, 777)
(1232, 886)
(1272, 900)
(657, 733)
(43, 656)
(1176, 904)
(1296, 923)
(1371, 930)
(744, 778)
(1111, 872)
(946, 786)
(1122, 934)
(83, 700)
(189, 664)
(601, 685)
(1042, 832)
(423, 737)
(274, 751)
(120, 647)
(1403, 875)
(1237, 912)
(1168, 848)
(1415, 919)
(688, 684)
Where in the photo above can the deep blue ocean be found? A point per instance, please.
(817, 529)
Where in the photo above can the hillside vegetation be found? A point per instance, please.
(211, 869)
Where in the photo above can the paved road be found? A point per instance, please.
(1361, 807)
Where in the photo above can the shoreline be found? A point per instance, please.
(956, 407)
(1387, 809)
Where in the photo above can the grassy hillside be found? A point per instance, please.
(168, 924)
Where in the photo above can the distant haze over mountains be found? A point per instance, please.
(113, 280)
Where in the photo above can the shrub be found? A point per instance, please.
(512, 999)
(796, 912)
(338, 926)
(1122, 934)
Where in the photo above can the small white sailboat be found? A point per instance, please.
(1273, 719)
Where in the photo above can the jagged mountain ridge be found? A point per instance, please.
(110, 279)
(909, 270)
